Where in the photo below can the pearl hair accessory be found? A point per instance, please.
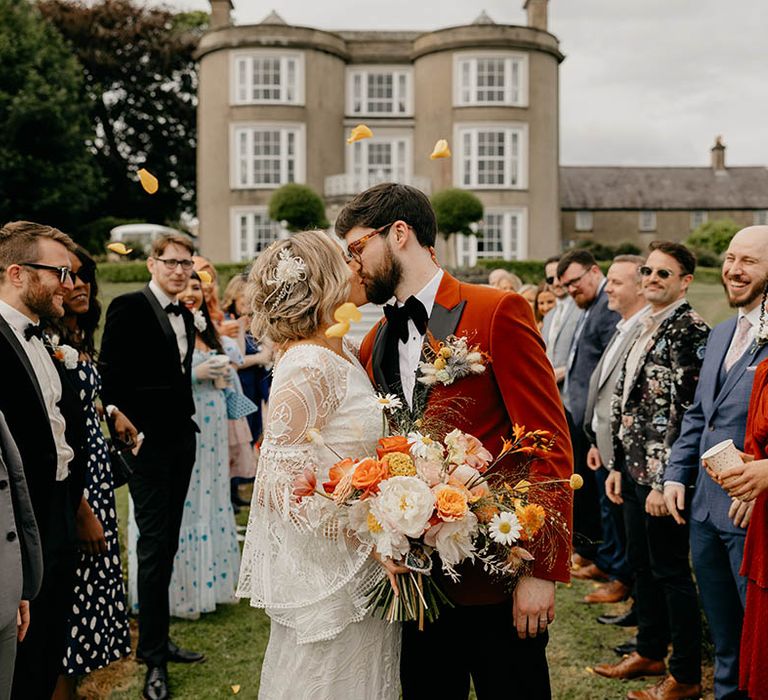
(290, 270)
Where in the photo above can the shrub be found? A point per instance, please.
(455, 210)
(300, 206)
(713, 236)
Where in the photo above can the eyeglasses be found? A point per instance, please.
(63, 272)
(549, 280)
(574, 282)
(355, 248)
(662, 272)
(172, 263)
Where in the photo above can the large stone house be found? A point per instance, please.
(277, 101)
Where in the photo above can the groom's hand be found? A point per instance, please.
(533, 606)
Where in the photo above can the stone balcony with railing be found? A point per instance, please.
(345, 185)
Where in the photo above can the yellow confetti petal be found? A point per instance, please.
(348, 312)
(235, 689)
(119, 248)
(591, 670)
(338, 330)
(205, 277)
(148, 181)
(361, 131)
(441, 150)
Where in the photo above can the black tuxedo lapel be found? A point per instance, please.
(165, 324)
(10, 336)
(189, 325)
(379, 357)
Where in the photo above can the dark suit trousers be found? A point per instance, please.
(39, 657)
(159, 488)
(587, 523)
(500, 663)
(611, 555)
(665, 597)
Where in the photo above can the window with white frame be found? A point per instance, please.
(379, 92)
(267, 156)
(583, 220)
(647, 221)
(492, 79)
(253, 231)
(380, 159)
(268, 78)
(698, 218)
(501, 236)
(760, 217)
(492, 157)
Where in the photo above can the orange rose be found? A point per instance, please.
(396, 443)
(450, 502)
(336, 473)
(367, 476)
(486, 512)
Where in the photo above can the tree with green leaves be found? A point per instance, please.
(713, 236)
(141, 79)
(300, 206)
(456, 210)
(46, 171)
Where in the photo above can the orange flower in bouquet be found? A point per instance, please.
(336, 473)
(396, 443)
(368, 475)
(451, 502)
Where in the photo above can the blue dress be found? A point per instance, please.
(98, 624)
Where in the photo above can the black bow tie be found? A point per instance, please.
(173, 309)
(397, 317)
(33, 331)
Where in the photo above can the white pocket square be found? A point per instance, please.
(751, 368)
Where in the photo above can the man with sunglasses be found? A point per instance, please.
(146, 367)
(47, 423)
(653, 392)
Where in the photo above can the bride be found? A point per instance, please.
(299, 563)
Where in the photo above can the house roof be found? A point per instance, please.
(595, 188)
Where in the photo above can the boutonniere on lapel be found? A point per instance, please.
(200, 323)
(451, 359)
(761, 336)
(63, 353)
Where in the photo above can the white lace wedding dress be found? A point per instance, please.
(308, 572)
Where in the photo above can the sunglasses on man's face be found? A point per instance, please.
(662, 273)
(63, 272)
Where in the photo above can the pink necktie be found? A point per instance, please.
(739, 343)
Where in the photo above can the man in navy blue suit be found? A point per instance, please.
(719, 411)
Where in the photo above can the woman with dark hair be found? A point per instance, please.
(98, 625)
(207, 562)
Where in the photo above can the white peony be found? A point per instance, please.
(453, 541)
(404, 504)
(365, 525)
(69, 356)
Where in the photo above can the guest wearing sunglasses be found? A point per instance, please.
(146, 365)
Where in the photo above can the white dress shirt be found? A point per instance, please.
(49, 381)
(177, 322)
(410, 351)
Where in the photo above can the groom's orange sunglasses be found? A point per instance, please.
(356, 247)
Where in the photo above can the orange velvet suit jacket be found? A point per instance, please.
(518, 386)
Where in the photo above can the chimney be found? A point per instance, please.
(537, 13)
(221, 13)
(718, 155)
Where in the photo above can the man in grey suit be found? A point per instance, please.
(560, 323)
(719, 411)
(21, 559)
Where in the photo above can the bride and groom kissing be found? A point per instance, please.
(314, 583)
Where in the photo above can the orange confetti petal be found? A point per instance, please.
(205, 277)
(119, 248)
(361, 131)
(148, 181)
(235, 689)
(441, 150)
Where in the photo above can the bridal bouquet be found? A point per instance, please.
(443, 493)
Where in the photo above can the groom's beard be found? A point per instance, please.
(380, 286)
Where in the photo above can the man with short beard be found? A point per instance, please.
(46, 421)
(718, 523)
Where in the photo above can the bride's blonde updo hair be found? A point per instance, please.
(295, 285)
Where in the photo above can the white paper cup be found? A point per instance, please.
(221, 361)
(722, 456)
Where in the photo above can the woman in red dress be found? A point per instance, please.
(749, 482)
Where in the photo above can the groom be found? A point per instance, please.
(390, 232)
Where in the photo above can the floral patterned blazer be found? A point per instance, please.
(662, 390)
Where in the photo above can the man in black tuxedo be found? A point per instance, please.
(146, 367)
(45, 418)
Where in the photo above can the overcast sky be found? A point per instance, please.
(644, 81)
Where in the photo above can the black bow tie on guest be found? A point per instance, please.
(173, 309)
(397, 317)
(33, 331)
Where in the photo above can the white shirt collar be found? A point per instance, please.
(626, 324)
(161, 296)
(663, 314)
(426, 295)
(753, 316)
(15, 318)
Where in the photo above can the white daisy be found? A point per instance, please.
(388, 402)
(504, 528)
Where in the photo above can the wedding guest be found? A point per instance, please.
(581, 277)
(21, 558)
(46, 420)
(146, 366)
(211, 292)
(654, 390)
(559, 325)
(98, 620)
(544, 303)
(505, 280)
(719, 411)
(625, 296)
(528, 292)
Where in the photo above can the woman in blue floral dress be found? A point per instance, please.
(98, 625)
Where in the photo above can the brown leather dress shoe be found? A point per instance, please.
(667, 689)
(591, 573)
(577, 561)
(632, 666)
(611, 592)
